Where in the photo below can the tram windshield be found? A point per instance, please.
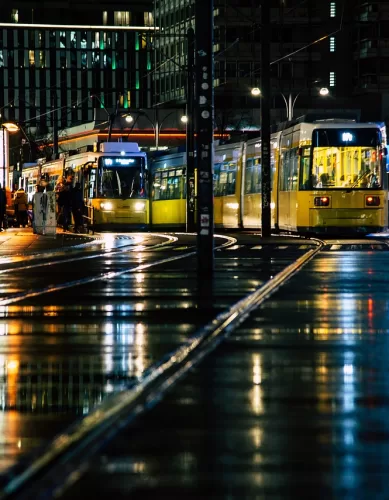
(122, 177)
(342, 158)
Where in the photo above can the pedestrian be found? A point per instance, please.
(21, 206)
(3, 204)
(64, 205)
(77, 204)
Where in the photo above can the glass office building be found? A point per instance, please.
(45, 68)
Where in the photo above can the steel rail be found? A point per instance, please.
(66, 458)
(134, 247)
(18, 297)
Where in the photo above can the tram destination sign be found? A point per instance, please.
(120, 161)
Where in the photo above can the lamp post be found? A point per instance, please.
(290, 101)
(4, 163)
(10, 128)
(157, 125)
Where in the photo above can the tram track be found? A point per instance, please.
(104, 276)
(41, 259)
(67, 458)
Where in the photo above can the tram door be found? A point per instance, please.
(284, 183)
(89, 186)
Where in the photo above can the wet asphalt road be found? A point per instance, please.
(64, 348)
(294, 405)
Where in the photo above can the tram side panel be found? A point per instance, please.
(168, 191)
(227, 185)
(252, 183)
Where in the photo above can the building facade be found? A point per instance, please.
(337, 44)
(73, 70)
(371, 57)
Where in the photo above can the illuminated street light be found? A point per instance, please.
(157, 125)
(11, 127)
(290, 102)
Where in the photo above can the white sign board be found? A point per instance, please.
(45, 220)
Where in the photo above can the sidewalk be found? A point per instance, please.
(22, 241)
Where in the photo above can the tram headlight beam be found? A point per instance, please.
(139, 206)
(106, 205)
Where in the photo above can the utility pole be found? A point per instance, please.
(204, 136)
(55, 124)
(112, 117)
(265, 118)
(190, 128)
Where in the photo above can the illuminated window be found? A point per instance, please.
(41, 59)
(105, 18)
(332, 9)
(332, 78)
(31, 57)
(332, 44)
(15, 16)
(122, 18)
(148, 19)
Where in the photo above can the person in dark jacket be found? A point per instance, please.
(77, 203)
(65, 204)
(21, 205)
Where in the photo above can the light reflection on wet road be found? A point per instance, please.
(294, 405)
(62, 353)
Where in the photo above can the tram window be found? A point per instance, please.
(293, 170)
(157, 186)
(167, 186)
(225, 178)
(216, 175)
(305, 174)
(122, 183)
(253, 176)
(349, 166)
(284, 171)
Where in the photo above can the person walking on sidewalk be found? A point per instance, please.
(21, 205)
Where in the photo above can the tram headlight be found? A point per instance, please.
(139, 206)
(322, 201)
(106, 205)
(372, 201)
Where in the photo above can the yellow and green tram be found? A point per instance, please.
(328, 176)
(115, 185)
(114, 181)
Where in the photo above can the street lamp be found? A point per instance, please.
(157, 125)
(290, 102)
(10, 128)
(4, 162)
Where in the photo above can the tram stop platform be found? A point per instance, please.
(23, 241)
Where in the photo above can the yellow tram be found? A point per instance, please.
(327, 176)
(114, 181)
